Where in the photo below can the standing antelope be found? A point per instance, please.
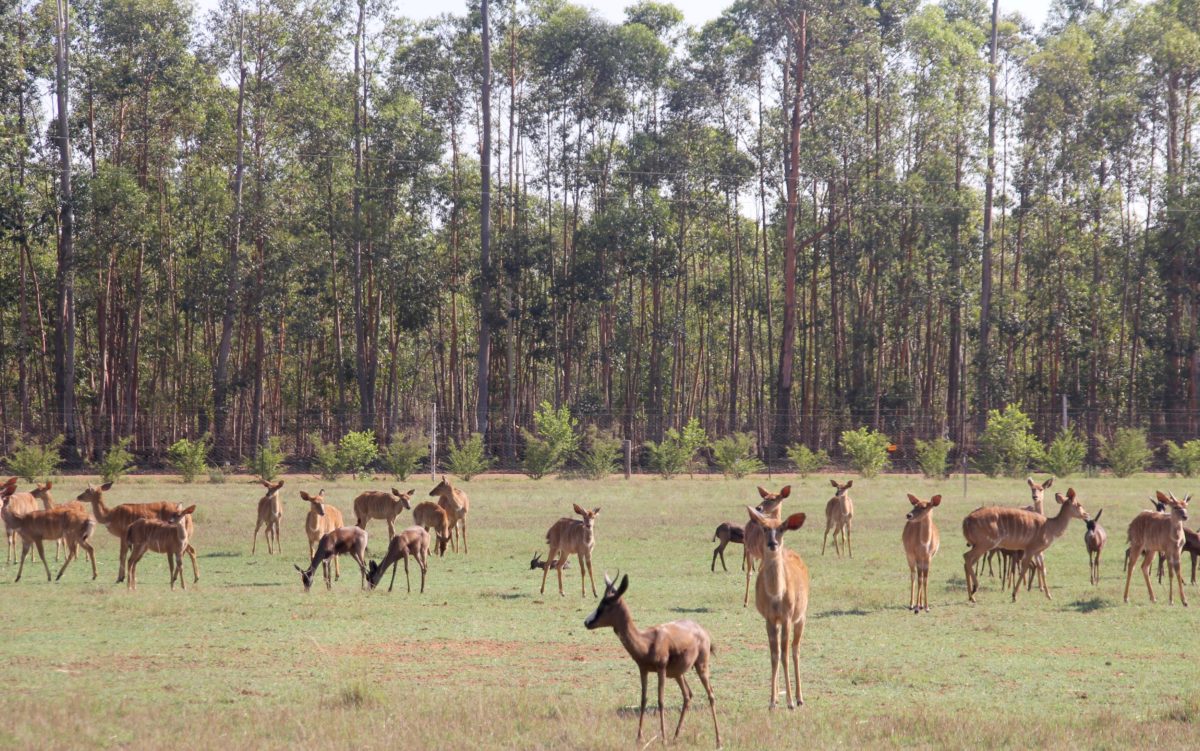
(428, 515)
(457, 504)
(168, 536)
(377, 504)
(321, 520)
(994, 527)
(572, 537)
(270, 513)
(69, 521)
(20, 503)
(781, 596)
(350, 541)
(753, 537)
(6, 490)
(1094, 538)
(921, 542)
(839, 511)
(669, 650)
(1155, 532)
(117, 520)
(411, 543)
(727, 532)
(1011, 559)
(1191, 546)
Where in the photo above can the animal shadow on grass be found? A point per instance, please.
(1089, 605)
(691, 610)
(839, 613)
(221, 554)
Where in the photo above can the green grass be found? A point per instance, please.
(247, 659)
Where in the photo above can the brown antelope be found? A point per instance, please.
(839, 511)
(572, 537)
(1191, 546)
(457, 504)
(350, 541)
(537, 564)
(1094, 539)
(1154, 532)
(118, 518)
(753, 538)
(378, 504)
(921, 542)
(727, 532)
(20, 503)
(168, 536)
(270, 513)
(781, 596)
(669, 651)
(410, 543)
(428, 515)
(993, 527)
(1010, 559)
(321, 520)
(69, 521)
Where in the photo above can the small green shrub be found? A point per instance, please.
(357, 451)
(267, 462)
(1127, 452)
(1007, 445)
(190, 458)
(867, 450)
(326, 461)
(218, 475)
(1064, 455)
(806, 460)
(117, 461)
(401, 457)
(734, 455)
(599, 459)
(468, 458)
(1185, 459)
(35, 462)
(553, 444)
(674, 454)
(933, 457)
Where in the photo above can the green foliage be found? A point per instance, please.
(1007, 445)
(468, 458)
(1127, 452)
(933, 457)
(325, 461)
(1185, 459)
(598, 460)
(555, 441)
(734, 455)
(1064, 455)
(217, 475)
(117, 461)
(402, 456)
(356, 451)
(674, 454)
(806, 460)
(190, 458)
(267, 462)
(35, 462)
(867, 450)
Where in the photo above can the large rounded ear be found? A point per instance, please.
(833, 483)
(106, 486)
(305, 496)
(787, 490)
(191, 509)
(411, 492)
(579, 509)
(935, 501)
(1049, 481)
(48, 485)
(763, 492)
(849, 484)
(1162, 497)
(755, 515)
(1060, 498)
(297, 568)
(795, 521)
(623, 586)
(396, 492)
(913, 499)
(1030, 481)
(1071, 493)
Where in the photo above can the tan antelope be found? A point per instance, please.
(270, 514)
(350, 541)
(69, 522)
(727, 532)
(537, 564)
(781, 596)
(321, 520)
(457, 504)
(20, 503)
(753, 537)
(1094, 539)
(428, 515)
(993, 527)
(410, 543)
(669, 651)
(921, 541)
(568, 537)
(377, 504)
(1010, 559)
(168, 536)
(839, 511)
(1154, 532)
(118, 518)
(1191, 546)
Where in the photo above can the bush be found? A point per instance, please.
(325, 461)
(867, 450)
(1127, 452)
(35, 462)
(217, 475)
(117, 461)
(806, 460)
(555, 441)
(734, 455)
(1185, 459)
(603, 451)
(401, 457)
(267, 462)
(468, 458)
(356, 451)
(1064, 455)
(675, 452)
(190, 458)
(1007, 444)
(934, 456)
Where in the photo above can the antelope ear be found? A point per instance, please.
(795, 521)
(1048, 482)
(265, 484)
(623, 586)
(279, 484)
(913, 499)
(755, 515)
(396, 492)
(1162, 497)
(608, 583)
(833, 483)
(1060, 498)
(106, 486)
(411, 492)
(191, 509)
(297, 568)
(49, 485)
(1030, 481)
(579, 509)
(1071, 493)
(595, 511)
(787, 490)
(1098, 513)
(305, 496)
(763, 492)
(935, 501)
(849, 484)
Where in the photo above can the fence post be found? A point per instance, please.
(433, 443)
(1064, 413)
(628, 458)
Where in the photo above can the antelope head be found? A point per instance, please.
(771, 501)
(93, 493)
(442, 487)
(1071, 505)
(589, 517)
(774, 529)
(404, 498)
(603, 615)
(317, 501)
(1091, 523)
(306, 578)
(839, 489)
(1037, 493)
(536, 562)
(921, 509)
(272, 488)
(1177, 507)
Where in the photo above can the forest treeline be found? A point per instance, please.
(797, 219)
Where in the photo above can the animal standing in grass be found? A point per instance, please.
(921, 542)
(410, 543)
(568, 537)
(270, 514)
(1153, 532)
(457, 505)
(752, 547)
(69, 522)
(1094, 539)
(727, 532)
(428, 515)
(781, 596)
(20, 503)
(118, 518)
(668, 651)
(378, 504)
(350, 541)
(839, 513)
(321, 520)
(1191, 546)
(168, 536)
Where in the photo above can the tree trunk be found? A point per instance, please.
(485, 232)
(65, 351)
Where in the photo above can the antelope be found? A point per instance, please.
(839, 511)
(117, 520)
(994, 527)
(70, 521)
(669, 650)
(727, 532)
(1010, 559)
(1094, 539)
(428, 515)
(921, 542)
(411, 543)
(1191, 546)
(168, 536)
(1160, 508)
(21, 503)
(753, 538)
(350, 541)
(376, 504)
(321, 520)
(537, 564)
(457, 504)
(270, 513)
(781, 596)
(1155, 532)
(572, 537)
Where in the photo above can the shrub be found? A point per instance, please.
(555, 441)
(1007, 444)
(675, 452)
(325, 461)
(267, 461)
(117, 461)
(190, 458)
(356, 451)
(806, 460)
(603, 451)
(867, 450)
(402, 456)
(734, 456)
(933, 456)
(217, 475)
(1185, 459)
(1127, 452)
(1064, 455)
(35, 462)
(468, 458)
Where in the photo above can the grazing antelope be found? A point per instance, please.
(753, 538)
(921, 542)
(270, 513)
(1094, 538)
(727, 532)
(20, 503)
(428, 515)
(537, 564)
(457, 504)
(572, 537)
(168, 536)
(669, 651)
(321, 520)
(781, 596)
(377, 504)
(839, 511)
(69, 521)
(1031, 533)
(118, 518)
(1157, 532)
(350, 541)
(410, 543)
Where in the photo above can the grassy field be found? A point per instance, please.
(247, 659)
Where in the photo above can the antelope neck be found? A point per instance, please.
(774, 572)
(631, 637)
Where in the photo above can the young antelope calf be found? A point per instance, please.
(376, 504)
(350, 541)
(921, 542)
(411, 543)
(457, 505)
(168, 536)
(839, 512)
(1094, 538)
(270, 513)
(321, 520)
(727, 532)
(572, 537)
